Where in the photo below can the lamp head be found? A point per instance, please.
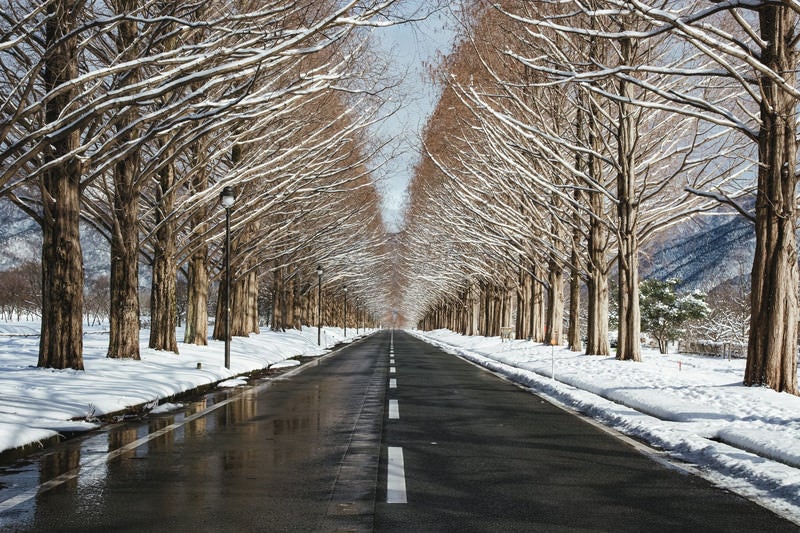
(227, 197)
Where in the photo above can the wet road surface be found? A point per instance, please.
(389, 434)
(287, 455)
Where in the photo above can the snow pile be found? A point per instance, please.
(692, 407)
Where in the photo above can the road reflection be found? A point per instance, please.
(220, 458)
(78, 469)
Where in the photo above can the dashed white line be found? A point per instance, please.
(396, 477)
(392, 370)
(394, 410)
(393, 383)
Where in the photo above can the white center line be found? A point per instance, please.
(396, 478)
(394, 410)
(392, 370)
(393, 383)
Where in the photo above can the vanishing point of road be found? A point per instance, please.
(387, 434)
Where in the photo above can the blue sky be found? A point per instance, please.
(409, 48)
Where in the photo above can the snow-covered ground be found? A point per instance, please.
(692, 407)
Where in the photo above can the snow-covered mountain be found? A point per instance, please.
(704, 252)
(21, 240)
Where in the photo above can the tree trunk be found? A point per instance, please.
(597, 322)
(555, 304)
(574, 332)
(538, 322)
(290, 305)
(297, 301)
(197, 299)
(163, 303)
(474, 304)
(278, 323)
(598, 240)
(244, 319)
(628, 347)
(221, 314)
(197, 283)
(524, 294)
(61, 339)
(507, 304)
(124, 312)
(772, 346)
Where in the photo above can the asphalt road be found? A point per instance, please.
(480, 454)
(389, 435)
(295, 454)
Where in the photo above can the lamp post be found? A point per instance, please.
(345, 312)
(226, 198)
(319, 306)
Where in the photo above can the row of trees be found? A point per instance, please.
(132, 115)
(569, 134)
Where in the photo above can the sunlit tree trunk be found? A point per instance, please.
(277, 300)
(61, 339)
(555, 303)
(627, 211)
(772, 346)
(124, 313)
(538, 322)
(524, 295)
(197, 283)
(245, 305)
(163, 305)
(574, 331)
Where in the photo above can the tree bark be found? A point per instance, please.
(507, 303)
(555, 303)
(524, 295)
(474, 303)
(574, 331)
(245, 305)
(124, 312)
(538, 322)
(628, 347)
(61, 339)
(772, 346)
(197, 284)
(163, 304)
(597, 322)
(277, 301)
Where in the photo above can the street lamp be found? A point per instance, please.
(345, 312)
(226, 198)
(319, 307)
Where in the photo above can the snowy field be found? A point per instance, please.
(693, 408)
